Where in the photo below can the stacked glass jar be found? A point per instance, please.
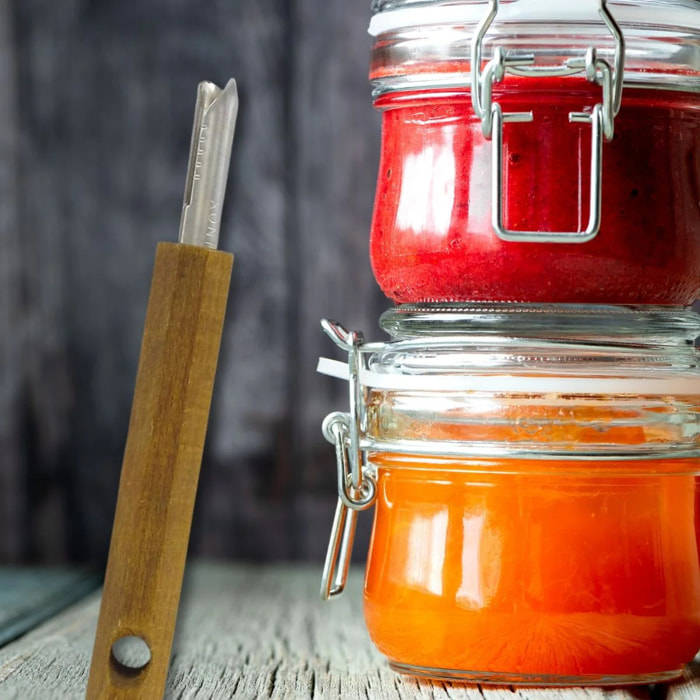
(530, 437)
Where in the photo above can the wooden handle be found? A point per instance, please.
(161, 465)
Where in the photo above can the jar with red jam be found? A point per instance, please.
(535, 477)
(537, 151)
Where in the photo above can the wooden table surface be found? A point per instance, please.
(261, 632)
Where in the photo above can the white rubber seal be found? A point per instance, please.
(508, 383)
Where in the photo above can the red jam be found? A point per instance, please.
(432, 238)
(498, 569)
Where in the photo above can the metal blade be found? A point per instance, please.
(207, 172)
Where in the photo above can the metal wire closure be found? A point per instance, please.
(337, 430)
(337, 564)
(350, 341)
(601, 119)
(356, 486)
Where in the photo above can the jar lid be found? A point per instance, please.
(484, 391)
(424, 44)
(568, 348)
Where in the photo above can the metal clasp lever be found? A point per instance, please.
(356, 485)
(350, 341)
(602, 118)
(336, 429)
(337, 564)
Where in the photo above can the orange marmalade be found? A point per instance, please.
(498, 569)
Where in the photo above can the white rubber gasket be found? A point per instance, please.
(509, 383)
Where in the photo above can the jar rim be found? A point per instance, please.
(627, 325)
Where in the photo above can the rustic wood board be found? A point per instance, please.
(28, 596)
(251, 632)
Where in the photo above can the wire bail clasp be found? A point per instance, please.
(356, 484)
(336, 429)
(601, 119)
(350, 341)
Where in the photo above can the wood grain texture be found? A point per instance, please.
(105, 107)
(689, 688)
(28, 596)
(334, 165)
(102, 124)
(161, 465)
(14, 323)
(261, 632)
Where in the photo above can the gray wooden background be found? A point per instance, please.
(95, 117)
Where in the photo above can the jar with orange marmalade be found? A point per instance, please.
(535, 477)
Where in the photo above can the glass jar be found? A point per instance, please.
(536, 475)
(594, 199)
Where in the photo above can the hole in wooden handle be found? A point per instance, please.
(130, 655)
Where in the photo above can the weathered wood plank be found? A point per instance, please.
(336, 136)
(689, 687)
(13, 322)
(244, 509)
(106, 97)
(28, 596)
(251, 632)
(107, 93)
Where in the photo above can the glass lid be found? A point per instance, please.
(582, 383)
(521, 348)
(423, 43)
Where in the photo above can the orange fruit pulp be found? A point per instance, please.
(557, 568)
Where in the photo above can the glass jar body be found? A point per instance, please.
(432, 239)
(581, 572)
(537, 478)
